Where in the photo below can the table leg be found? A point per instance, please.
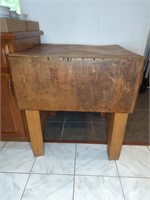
(116, 134)
(35, 131)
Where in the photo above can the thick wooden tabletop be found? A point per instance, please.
(76, 78)
(77, 51)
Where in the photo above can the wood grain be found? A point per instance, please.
(13, 126)
(116, 134)
(35, 131)
(16, 42)
(78, 51)
(100, 85)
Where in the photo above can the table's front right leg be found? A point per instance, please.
(116, 134)
(35, 131)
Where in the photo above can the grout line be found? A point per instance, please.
(3, 146)
(97, 175)
(62, 132)
(73, 188)
(86, 122)
(92, 125)
(49, 174)
(148, 148)
(75, 158)
(25, 186)
(74, 171)
(113, 176)
(32, 165)
(100, 122)
(27, 179)
(135, 177)
(120, 180)
(44, 174)
(14, 173)
(56, 121)
(117, 168)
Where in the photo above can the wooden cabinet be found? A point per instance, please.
(13, 121)
(13, 124)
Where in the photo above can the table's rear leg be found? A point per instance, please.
(52, 113)
(103, 115)
(116, 134)
(35, 131)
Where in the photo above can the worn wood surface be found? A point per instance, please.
(78, 51)
(116, 134)
(76, 78)
(35, 131)
(11, 46)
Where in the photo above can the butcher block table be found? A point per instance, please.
(77, 78)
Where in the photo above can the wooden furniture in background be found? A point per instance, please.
(77, 78)
(13, 121)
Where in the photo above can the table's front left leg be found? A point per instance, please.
(116, 134)
(35, 131)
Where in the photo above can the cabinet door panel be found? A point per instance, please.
(11, 117)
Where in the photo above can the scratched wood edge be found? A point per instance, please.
(77, 51)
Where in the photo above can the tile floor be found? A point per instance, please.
(73, 172)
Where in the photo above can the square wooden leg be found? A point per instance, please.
(35, 131)
(116, 134)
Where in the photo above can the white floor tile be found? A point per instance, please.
(136, 188)
(149, 147)
(2, 144)
(58, 159)
(134, 161)
(14, 160)
(92, 159)
(49, 187)
(97, 188)
(17, 145)
(12, 185)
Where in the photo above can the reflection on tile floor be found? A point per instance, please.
(91, 127)
(73, 172)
